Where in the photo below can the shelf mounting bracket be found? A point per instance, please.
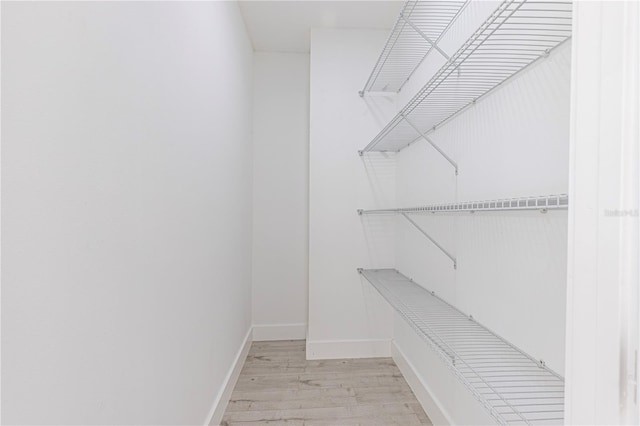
(432, 143)
(424, 36)
(422, 231)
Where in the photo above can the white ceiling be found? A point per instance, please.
(284, 26)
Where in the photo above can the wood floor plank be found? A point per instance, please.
(323, 413)
(269, 382)
(269, 370)
(350, 367)
(394, 420)
(290, 404)
(278, 386)
(269, 423)
(398, 396)
(348, 381)
(275, 395)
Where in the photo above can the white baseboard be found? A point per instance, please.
(432, 406)
(222, 399)
(337, 349)
(265, 332)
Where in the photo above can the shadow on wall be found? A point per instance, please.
(378, 108)
(380, 168)
(379, 231)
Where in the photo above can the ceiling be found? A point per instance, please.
(284, 26)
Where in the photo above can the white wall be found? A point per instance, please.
(511, 266)
(126, 207)
(347, 318)
(280, 195)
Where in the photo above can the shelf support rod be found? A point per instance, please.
(442, 249)
(424, 36)
(433, 144)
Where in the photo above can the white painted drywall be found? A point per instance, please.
(511, 266)
(126, 221)
(346, 316)
(285, 26)
(604, 238)
(280, 195)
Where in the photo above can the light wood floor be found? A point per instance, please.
(279, 386)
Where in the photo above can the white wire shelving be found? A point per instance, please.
(541, 202)
(517, 34)
(416, 33)
(513, 386)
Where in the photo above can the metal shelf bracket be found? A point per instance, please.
(424, 36)
(432, 143)
(422, 231)
(417, 32)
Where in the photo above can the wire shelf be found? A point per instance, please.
(513, 386)
(543, 203)
(517, 34)
(420, 26)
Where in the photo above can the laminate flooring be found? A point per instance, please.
(278, 386)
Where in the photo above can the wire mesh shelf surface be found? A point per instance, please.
(544, 203)
(518, 33)
(511, 385)
(419, 24)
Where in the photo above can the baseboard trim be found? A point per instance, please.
(337, 349)
(266, 332)
(432, 406)
(222, 399)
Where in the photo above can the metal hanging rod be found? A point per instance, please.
(511, 385)
(416, 33)
(542, 203)
(517, 34)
